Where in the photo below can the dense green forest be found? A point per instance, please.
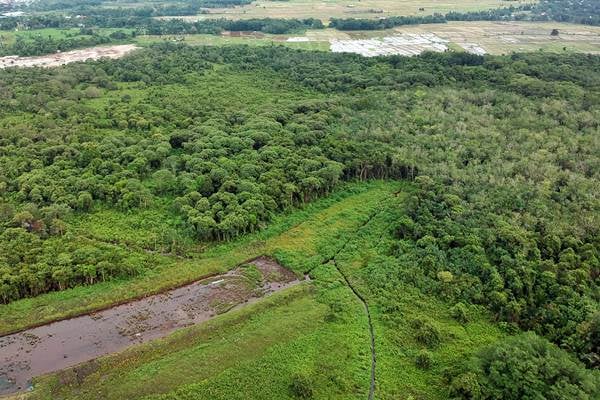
(503, 153)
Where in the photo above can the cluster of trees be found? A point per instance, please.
(168, 8)
(581, 12)
(499, 14)
(523, 367)
(39, 45)
(31, 264)
(153, 26)
(225, 171)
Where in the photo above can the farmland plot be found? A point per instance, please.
(405, 45)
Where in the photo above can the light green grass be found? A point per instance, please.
(214, 40)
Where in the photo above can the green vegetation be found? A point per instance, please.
(472, 217)
(51, 40)
(288, 340)
(525, 366)
(94, 16)
(303, 238)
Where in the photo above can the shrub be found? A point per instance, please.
(427, 334)
(460, 313)
(424, 359)
(525, 367)
(301, 387)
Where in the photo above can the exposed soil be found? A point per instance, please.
(66, 343)
(57, 59)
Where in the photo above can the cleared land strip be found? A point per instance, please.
(57, 59)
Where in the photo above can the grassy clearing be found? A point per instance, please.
(295, 334)
(298, 238)
(202, 351)
(213, 40)
(255, 352)
(347, 9)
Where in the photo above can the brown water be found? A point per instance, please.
(69, 342)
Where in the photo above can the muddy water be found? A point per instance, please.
(66, 343)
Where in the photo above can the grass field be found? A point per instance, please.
(312, 338)
(213, 40)
(326, 9)
(493, 37)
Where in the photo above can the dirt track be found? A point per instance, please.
(57, 59)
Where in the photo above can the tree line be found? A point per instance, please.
(582, 12)
(38, 45)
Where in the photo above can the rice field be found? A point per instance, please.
(404, 45)
(507, 37)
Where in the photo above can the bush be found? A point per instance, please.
(301, 387)
(424, 360)
(460, 313)
(427, 334)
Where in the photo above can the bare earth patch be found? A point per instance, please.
(57, 59)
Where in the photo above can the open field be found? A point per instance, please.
(508, 37)
(326, 9)
(66, 343)
(479, 37)
(252, 40)
(405, 45)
